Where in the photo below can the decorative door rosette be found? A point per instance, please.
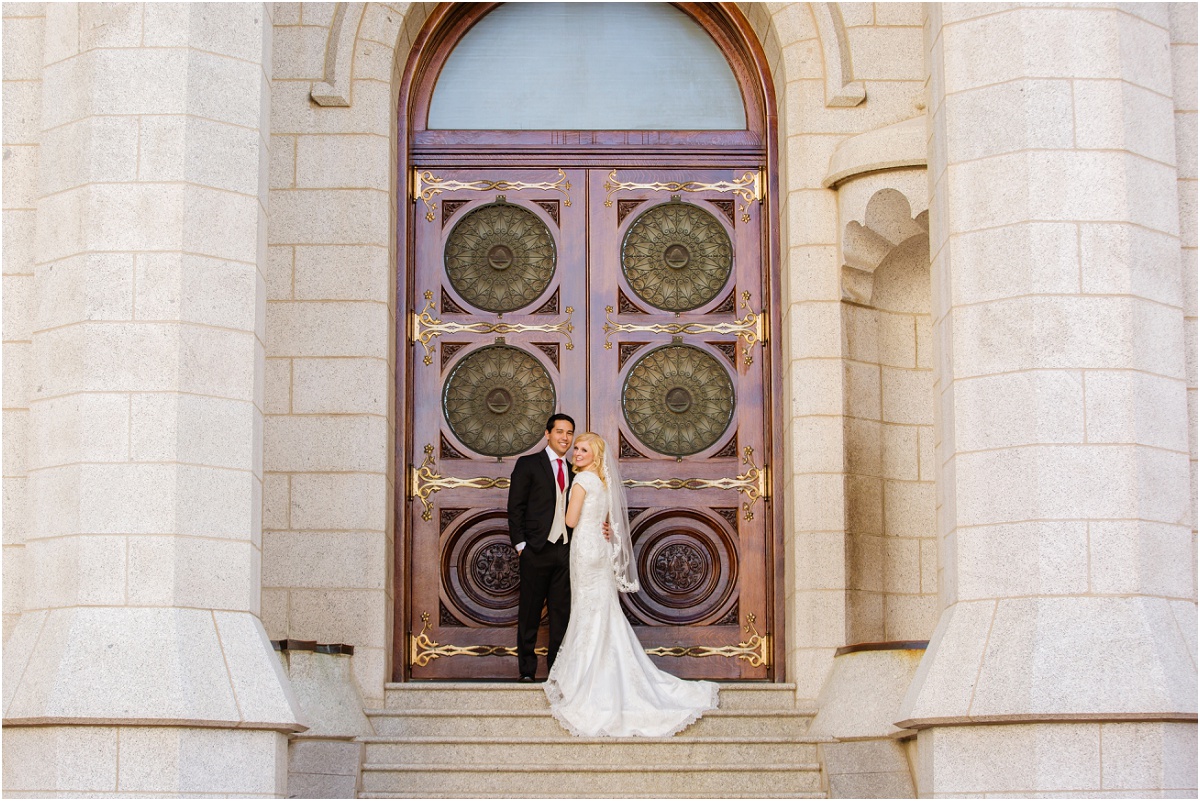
(481, 571)
(687, 562)
(500, 257)
(676, 256)
(678, 400)
(496, 400)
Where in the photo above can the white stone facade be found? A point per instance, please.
(987, 219)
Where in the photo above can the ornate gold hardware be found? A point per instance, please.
(753, 483)
(422, 650)
(424, 327)
(423, 482)
(425, 186)
(756, 650)
(749, 188)
(751, 329)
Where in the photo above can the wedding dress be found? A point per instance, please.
(602, 682)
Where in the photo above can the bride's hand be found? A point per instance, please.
(607, 531)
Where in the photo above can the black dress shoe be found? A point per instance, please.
(527, 678)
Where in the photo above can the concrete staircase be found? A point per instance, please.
(484, 740)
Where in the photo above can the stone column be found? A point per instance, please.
(140, 637)
(1066, 564)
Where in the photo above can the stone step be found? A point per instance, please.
(454, 752)
(473, 696)
(535, 723)
(542, 780)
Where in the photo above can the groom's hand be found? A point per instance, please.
(607, 531)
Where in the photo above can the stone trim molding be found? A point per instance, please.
(893, 645)
(841, 90)
(339, 57)
(887, 225)
(888, 148)
(312, 645)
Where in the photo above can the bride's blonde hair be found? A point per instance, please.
(598, 446)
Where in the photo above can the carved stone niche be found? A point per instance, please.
(888, 228)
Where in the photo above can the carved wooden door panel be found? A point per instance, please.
(499, 265)
(631, 300)
(676, 267)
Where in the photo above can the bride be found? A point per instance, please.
(602, 683)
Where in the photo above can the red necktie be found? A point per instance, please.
(562, 480)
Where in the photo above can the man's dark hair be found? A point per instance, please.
(560, 416)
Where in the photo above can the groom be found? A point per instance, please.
(537, 502)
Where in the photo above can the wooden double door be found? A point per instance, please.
(632, 300)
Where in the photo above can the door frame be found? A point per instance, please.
(756, 147)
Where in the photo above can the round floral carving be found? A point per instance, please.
(496, 568)
(678, 400)
(679, 567)
(500, 257)
(676, 256)
(497, 399)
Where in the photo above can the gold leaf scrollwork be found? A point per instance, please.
(423, 650)
(424, 328)
(756, 649)
(749, 188)
(423, 481)
(426, 186)
(751, 329)
(752, 483)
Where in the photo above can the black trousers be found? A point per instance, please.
(545, 579)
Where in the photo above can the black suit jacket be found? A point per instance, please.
(531, 498)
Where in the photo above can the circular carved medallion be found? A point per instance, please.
(497, 399)
(497, 568)
(481, 578)
(679, 567)
(500, 257)
(678, 400)
(676, 256)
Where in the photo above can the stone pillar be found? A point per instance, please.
(1066, 565)
(139, 636)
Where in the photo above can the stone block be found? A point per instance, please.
(343, 273)
(887, 54)
(1183, 76)
(110, 25)
(121, 218)
(22, 104)
(864, 506)
(16, 425)
(1116, 115)
(1185, 144)
(1018, 759)
(299, 53)
(283, 162)
(1043, 406)
(327, 443)
(944, 682)
(60, 759)
(343, 162)
(863, 447)
(371, 666)
(20, 173)
(803, 60)
(218, 502)
(1130, 260)
(192, 572)
(22, 57)
(76, 571)
(1137, 557)
(862, 388)
(16, 376)
(345, 501)
(325, 559)
(324, 686)
(861, 333)
(1071, 482)
(818, 502)
(1022, 559)
(328, 328)
(815, 387)
(329, 216)
(804, 208)
(17, 312)
(292, 113)
(864, 564)
(1009, 117)
(221, 225)
(1133, 407)
(909, 617)
(203, 762)
(898, 338)
(907, 396)
(822, 560)
(90, 286)
(1148, 756)
(278, 386)
(192, 288)
(359, 617)
(328, 757)
(219, 362)
(899, 452)
(89, 427)
(194, 429)
(179, 148)
(792, 23)
(1067, 333)
(19, 240)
